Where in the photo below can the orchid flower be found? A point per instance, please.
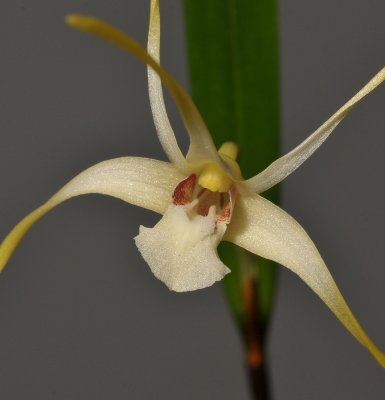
(202, 196)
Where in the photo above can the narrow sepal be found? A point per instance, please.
(164, 129)
(202, 148)
(264, 229)
(284, 166)
(140, 181)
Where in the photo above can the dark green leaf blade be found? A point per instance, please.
(234, 73)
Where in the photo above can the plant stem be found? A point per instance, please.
(256, 365)
(259, 382)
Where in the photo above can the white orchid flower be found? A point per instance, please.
(203, 197)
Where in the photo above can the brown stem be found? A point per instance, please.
(256, 365)
(259, 381)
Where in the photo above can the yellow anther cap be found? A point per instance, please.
(214, 178)
(229, 149)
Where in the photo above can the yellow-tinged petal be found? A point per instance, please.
(202, 148)
(284, 166)
(140, 181)
(165, 132)
(264, 229)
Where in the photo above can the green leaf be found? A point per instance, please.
(234, 73)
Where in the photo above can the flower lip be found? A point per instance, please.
(181, 249)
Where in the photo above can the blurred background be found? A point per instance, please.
(81, 315)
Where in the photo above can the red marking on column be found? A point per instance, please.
(184, 190)
(222, 200)
(227, 211)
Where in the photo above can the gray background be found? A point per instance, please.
(81, 316)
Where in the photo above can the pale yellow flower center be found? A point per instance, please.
(213, 177)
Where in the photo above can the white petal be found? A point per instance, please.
(139, 181)
(162, 124)
(182, 251)
(266, 230)
(284, 166)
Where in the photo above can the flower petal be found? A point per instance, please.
(182, 251)
(140, 181)
(284, 166)
(165, 132)
(202, 148)
(262, 228)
